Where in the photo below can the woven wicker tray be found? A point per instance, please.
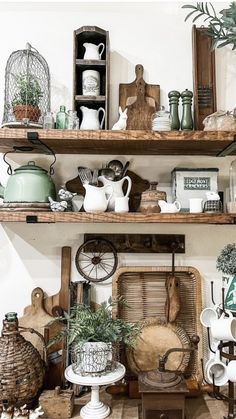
(145, 292)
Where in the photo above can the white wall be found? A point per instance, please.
(153, 34)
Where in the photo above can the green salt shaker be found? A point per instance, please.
(61, 118)
(187, 119)
(174, 96)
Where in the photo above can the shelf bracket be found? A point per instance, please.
(229, 149)
(33, 138)
(33, 219)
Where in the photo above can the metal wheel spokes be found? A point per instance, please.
(96, 260)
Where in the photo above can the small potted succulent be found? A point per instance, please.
(91, 335)
(226, 263)
(26, 101)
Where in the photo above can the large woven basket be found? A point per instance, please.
(145, 292)
(21, 367)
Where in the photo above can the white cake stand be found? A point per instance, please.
(95, 409)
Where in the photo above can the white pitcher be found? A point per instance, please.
(90, 118)
(96, 198)
(117, 189)
(92, 51)
(169, 208)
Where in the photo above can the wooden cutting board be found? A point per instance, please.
(61, 299)
(37, 318)
(140, 98)
(155, 339)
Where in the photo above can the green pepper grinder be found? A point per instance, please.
(174, 96)
(187, 119)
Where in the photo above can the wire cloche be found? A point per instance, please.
(27, 88)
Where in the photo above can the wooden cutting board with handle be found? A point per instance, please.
(36, 318)
(128, 95)
(61, 299)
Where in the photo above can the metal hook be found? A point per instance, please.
(209, 341)
(212, 293)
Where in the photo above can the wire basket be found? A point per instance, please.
(93, 358)
(27, 89)
(213, 206)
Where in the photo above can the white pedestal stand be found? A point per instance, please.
(95, 409)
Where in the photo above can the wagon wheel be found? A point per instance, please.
(96, 260)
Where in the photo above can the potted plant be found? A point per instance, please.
(92, 333)
(27, 97)
(226, 263)
(221, 28)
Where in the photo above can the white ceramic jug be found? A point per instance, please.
(117, 189)
(92, 51)
(90, 119)
(171, 208)
(96, 198)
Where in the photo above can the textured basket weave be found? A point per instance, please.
(21, 367)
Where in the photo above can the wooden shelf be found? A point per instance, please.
(90, 63)
(131, 142)
(81, 98)
(111, 217)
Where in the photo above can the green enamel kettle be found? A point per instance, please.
(29, 183)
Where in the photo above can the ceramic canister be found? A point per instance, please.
(91, 83)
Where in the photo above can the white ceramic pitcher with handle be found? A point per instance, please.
(92, 51)
(91, 118)
(117, 187)
(97, 199)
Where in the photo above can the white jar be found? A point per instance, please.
(91, 83)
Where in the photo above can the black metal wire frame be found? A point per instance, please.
(216, 393)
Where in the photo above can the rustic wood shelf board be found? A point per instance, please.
(209, 143)
(89, 63)
(112, 217)
(82, 98)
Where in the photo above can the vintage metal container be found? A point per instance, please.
(193, 183)
(57, 404)
(150, 198)
(29, 183)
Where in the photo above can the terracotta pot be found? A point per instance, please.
(26, 111)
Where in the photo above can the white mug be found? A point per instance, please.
(91, 83)
(122, 204)
(215, 367)
(224, 328)
(208, 315)
(195, 205)
(231, 371)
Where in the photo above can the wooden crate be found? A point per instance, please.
(57, 404)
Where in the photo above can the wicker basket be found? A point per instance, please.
(21, 367)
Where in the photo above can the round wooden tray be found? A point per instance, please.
(156, 338)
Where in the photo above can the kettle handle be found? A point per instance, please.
(103, 47)
(129, 185)
(102, 121)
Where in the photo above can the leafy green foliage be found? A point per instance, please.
(85, 325)
(28, 91)
(226, 261)
(222, 29)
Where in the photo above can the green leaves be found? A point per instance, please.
(221, 29)
(86, 325)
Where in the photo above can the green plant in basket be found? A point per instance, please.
(27, 97)
(90, 331)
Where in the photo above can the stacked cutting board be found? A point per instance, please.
(141, 99)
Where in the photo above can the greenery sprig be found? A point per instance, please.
(226, 261)
(222, 29)
(85, 325)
